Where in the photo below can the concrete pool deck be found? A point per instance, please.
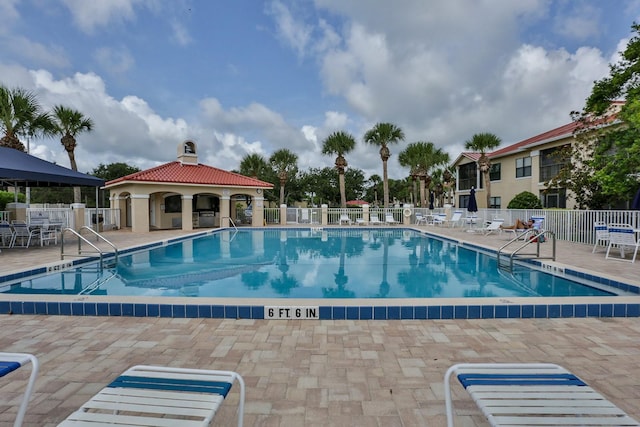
(317, 373)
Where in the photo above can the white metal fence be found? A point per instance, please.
(575, 226)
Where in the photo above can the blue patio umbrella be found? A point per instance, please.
(473, 205)
(431, 200)
(635, 205)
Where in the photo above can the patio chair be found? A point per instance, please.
(23, 233)
(6, 235)
(344, 218)
(375, 220)
(422, 219)
(494, 225)
(471, 219)
(9, 362)
(623, 236)
(538, 223)
(532, 394)
(439, 219)
(389, 219)
(160, 396)
(360, 221)
(602, 234)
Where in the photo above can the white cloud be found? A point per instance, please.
(181, 34)
(9, 14)
(89, 15)
(114, 60)
(292, 32)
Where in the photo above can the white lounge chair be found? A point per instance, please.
(602, 234)
(623, 236)
(538, 226)
(375, 220)
(494, 225)
(360, 221)
(9, 362)
(389, 219)
(541, 394)
(160, 396)
(344, 218)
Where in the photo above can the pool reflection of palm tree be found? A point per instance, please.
(285, 283)
(385, 287)
(341, 278)
(421, 280)
(254, 279)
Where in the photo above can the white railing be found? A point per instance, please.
(102, 218)
(5, 216)
(61, 216)
(576, 226)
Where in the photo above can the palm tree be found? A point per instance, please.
(339, 143)
(409, 158)
(253, 165)
(374, 183)
(284, 163)
(483, 142)
(67, 123)
(20, 116)
(422, 157)
(381, 135)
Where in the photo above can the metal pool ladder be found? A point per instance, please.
(530, 237)
(82, 239)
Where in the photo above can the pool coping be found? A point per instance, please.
(339, 309)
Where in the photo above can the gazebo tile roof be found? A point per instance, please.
(185, 173)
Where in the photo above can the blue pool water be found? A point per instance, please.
(307, 263)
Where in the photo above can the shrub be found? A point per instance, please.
(525, 200)
(7, 197)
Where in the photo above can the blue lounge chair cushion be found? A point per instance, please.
(519, 379)
(6, 367)
(174, 384)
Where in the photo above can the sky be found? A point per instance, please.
(247, 76)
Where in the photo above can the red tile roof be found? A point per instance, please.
(184, 173)
(564, 131)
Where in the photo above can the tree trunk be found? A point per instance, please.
(487, 184)
(343, 191)
(385, 184)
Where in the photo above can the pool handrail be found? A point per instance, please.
(83, 239)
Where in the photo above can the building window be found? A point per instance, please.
(495, 202)
(494, 172)
(551, 162)
(173, 204)
(523, 167)
(467, 176)
(554, 198)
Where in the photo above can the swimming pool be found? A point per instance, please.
(249, 272)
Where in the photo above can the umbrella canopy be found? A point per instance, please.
(431, 200)
(635, 205)
(357, 202)
(473, 205)
(22, 169)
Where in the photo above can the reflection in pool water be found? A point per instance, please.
(308, 263)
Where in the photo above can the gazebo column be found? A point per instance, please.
(187, 213)
(257, 220)
(225, 209)
(140, 213)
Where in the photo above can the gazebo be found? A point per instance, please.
(184, 194)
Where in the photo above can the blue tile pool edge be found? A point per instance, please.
(336, 312)
(490, 310)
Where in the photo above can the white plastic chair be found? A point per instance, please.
(623, 236)
(389, 219)
(602, 234)
(9, 362)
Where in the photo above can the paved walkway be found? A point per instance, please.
(317, 373)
